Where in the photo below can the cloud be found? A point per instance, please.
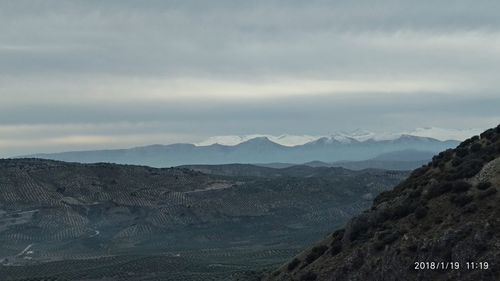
(202, 68)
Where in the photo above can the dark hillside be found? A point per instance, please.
(446, 212)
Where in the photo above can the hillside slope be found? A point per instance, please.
(446, 211)
(104, 221)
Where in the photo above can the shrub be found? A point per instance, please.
(461, 152)
(456, 162)
(390, 237)
(338, 234)
(467, 169)
(384, 238)
(488, 157)
(483, 185)
(293, 264)
(487, 193)
(438, 189)
(461, 186)
(471, 168)
(397, 211)
(470, 208)
(403, 210)
(309, 276)
(336, 247)
(476, 147)
(412, 247)
(415, 193)
(384, 196)
(461, 200)
(315, 253)
(487, 134)
(420, 212)
(358, 227)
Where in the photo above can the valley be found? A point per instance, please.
(188, 224)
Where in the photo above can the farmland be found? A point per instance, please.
(98, 221)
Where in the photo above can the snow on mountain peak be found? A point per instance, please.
(357, 135)
(286, 140)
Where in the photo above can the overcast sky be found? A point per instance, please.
(118, 73)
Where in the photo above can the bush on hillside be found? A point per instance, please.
(467, 169)
(461, 186)
(421, 212)
(315, 253)
(476, 147)
(461, 200)
(336, 247)
(461, 152)
(309, 276)
(438, 189)
(483, 185)
(293, 264)
(487, 193)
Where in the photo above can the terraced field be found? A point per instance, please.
(67, 221)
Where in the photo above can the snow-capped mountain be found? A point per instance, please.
(285, 140)
(261, 149)
(358, 135)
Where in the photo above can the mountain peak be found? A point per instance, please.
(259, 141)
(284, 139)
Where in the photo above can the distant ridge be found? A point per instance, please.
(403, 160)
(256, 150)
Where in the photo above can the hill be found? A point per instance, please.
(401, 160)
(445, 215)
(70, 221)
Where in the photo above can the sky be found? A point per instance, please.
(90, 74)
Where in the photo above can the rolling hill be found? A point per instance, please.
(401, 160)
(70, 221)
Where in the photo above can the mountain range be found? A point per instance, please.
(72, 221)
(355, 135)
(259, 150)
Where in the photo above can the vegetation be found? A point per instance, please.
(315, 253)
(178, 223)
(483, 185)
(434, 215)
(293, 264)
(309, 276)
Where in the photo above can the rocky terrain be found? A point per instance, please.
(442, 223)
(69, 221)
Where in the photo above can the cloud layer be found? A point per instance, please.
(85, 74)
